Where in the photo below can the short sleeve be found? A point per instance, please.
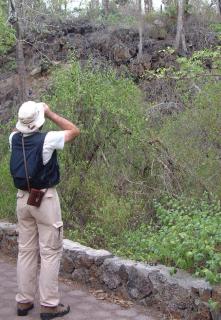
(54, 140)
(10, 139)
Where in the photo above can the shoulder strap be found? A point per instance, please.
(25, 163)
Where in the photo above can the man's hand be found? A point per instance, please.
(46, 109)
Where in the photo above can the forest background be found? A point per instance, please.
(143, 178)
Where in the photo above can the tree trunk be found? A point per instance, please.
(180, 43)
(148, 6)
(94, 4)
(140, 27)
(105, 4)
(219, 6)
(4, 6)
(20, 61)
(65, 7)
(140, 46)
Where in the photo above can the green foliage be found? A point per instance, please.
(200, 61)
(204, 61)
(7, 190)
(7, 194)
(216, 27)
(7, 36)
(117, 18)
(108, 110)
(9, 65)
(186, 236)
(109, 221)
(106, 107)
(193, 139)
(171, 10)
(114, 18)
(214, 305)
(151, 16)
(4, 7)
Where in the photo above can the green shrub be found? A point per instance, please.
(193, 140)
(7, 35)
(187, 235)
(7, 190)
(109, 111)
(216, 27)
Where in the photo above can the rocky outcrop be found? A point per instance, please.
(115, 47)
(180, 295)
(8, 94)
(157, 113)
(8, 238)
(138, 67)
(106, 45)
(87, 39)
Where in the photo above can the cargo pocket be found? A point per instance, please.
(56, 239)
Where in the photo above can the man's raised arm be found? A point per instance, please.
(70, 130)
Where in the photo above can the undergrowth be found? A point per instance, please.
(184, 234)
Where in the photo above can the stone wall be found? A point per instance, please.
(8, 239)
(180, 295)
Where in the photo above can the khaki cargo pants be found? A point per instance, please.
(39, 229)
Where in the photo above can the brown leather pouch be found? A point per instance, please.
(35, 197)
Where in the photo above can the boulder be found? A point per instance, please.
(139, 66)
(121, 53)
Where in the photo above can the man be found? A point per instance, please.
(34, 166)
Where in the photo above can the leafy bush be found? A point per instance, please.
(190, 135)
(7, 36)
(9, 65)
(120, 19)
(7, 190)
(7, 194)
(108, 109)
(187, 235)
(203, 63)
(193, 141)
(216, 27)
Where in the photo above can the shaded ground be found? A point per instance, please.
(84, 305)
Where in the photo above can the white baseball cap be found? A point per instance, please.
(30, 117)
